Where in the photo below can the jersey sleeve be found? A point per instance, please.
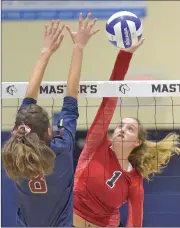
(98, 130)
(135, 205)
(67, 123)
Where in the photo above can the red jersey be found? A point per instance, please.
(101, 185)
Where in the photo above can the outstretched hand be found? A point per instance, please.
(52, 36)
(135, 46)
(85, 32)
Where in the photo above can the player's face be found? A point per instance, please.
(127, 133)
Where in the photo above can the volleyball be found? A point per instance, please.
(124, 29)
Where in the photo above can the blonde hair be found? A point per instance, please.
(151, 157)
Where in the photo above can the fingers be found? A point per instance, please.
(92, 25)
(59, 41)
(70, 32)
(94, 32)
(88, 26)
(58, 32)
(140, 42)
(85, 30)
(80, 20)
(53, 29)
(45, 30)
(49, 28)
(136, 46)
(87, 20)
(68, 29)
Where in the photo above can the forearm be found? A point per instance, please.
(37, 76)
(121, 66)
(74, 72)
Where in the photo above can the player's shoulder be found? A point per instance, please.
(135, 175)
(136, 178)
(106, 144)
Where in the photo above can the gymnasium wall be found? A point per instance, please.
(158, 58)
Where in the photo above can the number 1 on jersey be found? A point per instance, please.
(111, 182)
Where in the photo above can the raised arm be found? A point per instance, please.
(52, 41)
(80, 40)
(69, 113)
(99, 127)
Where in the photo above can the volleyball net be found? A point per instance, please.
(155, 103)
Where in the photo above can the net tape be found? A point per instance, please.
(152, 88)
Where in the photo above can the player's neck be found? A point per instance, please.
(122, 157)
(126, 165)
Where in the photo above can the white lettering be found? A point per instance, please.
(127, 41)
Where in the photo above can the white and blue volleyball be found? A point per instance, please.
(124, 29)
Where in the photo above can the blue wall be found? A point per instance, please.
(162, 195)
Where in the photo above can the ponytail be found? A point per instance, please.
(151, 157)
(26, 156)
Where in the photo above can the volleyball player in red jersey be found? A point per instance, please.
(110, 173)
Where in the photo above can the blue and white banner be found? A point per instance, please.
(67, 10)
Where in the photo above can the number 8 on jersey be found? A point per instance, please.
(38, 185)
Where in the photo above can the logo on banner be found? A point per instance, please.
(123, 88)
(11, 90)
(165, 88)
(60, 89)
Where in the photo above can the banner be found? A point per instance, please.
(147, 88)
(67, 10)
